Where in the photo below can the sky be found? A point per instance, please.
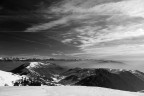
(72, 28)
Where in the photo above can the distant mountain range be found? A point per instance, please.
(38, 73)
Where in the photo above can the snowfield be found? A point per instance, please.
(6, 78)
(64, 91)
(35, 65)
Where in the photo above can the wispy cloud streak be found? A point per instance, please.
(100, 22)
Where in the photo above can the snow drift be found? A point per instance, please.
(8, 78)
(64, 91)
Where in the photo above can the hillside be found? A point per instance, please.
(7, 78)
(38, 74)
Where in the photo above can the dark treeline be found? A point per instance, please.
(27, 82)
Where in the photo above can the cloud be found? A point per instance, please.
(100, 21)
(57, 54)
(126, 7)
(104, 52)
(69, 10)
(67, 40)
(46, 26)
(94, 36)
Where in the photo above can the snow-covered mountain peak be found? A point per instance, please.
(35, 65)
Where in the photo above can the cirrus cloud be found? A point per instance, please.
(99, 22)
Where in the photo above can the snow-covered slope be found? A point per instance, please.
(7, 78)
(35, 65)
(64, 91)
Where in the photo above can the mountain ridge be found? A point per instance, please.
(53, 75)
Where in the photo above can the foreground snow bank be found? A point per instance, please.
(7, 78)
(63, 91)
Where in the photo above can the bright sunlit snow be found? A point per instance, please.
(35, 65)
(6, 78)
(64, 91)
